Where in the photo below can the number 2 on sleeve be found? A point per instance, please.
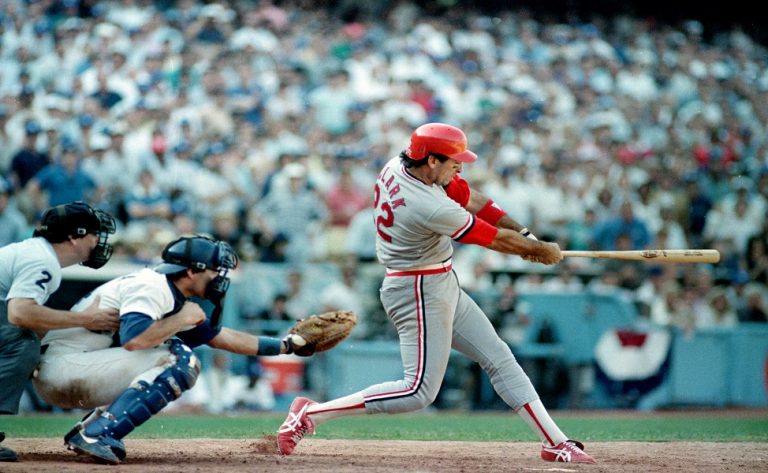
(46, 278)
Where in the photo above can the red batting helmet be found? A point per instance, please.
(440, 138)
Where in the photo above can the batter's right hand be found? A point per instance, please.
(101, 319)
(191, 314)
(553, 254)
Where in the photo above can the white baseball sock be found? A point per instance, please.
(353, 404)
(536, 416)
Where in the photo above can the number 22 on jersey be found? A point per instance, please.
(383, 215)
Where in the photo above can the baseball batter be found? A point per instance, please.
(30, 271)
(131, 374)
(422, 206)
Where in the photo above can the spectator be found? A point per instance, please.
(276, 312)
(107, 172)
(697, 205)
(360, 240)
(331, 102)
(147, 204)
(513, 316)
(565, 281)
(105, 96)
(513, 190)
(757, 257)
(755, 310)
(609, 283)
(257, 393)
(28, 161)
(736, 225)
(608, 232)
(580, 230)
(296, 213)
(345, 198)
(720, 313)
(63, 181)
(13, 225)
(226, 227)
(6, 150)
(345, 294)
(670, 234)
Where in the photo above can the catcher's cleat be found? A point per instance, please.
(118, 447)
(570, 451)
(95, 447)
(296, 425)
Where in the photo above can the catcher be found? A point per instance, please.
(128, 376)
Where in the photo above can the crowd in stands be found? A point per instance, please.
(264, 124)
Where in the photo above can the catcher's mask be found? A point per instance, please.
(77, 219)
(442, 139)
(200, 253)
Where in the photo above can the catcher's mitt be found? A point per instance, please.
(320, 332)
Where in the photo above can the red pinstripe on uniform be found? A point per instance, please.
(530, 412)
(347, 408)
(421, 349)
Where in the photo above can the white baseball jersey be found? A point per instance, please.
(29, 270)
(145, 291)
(415, 222)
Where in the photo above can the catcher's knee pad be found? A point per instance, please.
(185, 369)
(140, 402)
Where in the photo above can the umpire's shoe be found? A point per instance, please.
(6, 454)
(96, 447)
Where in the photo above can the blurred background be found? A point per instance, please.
(599, 124)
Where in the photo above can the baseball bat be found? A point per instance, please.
(660, 256)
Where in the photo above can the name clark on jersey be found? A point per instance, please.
(386, 178)
(386, 217)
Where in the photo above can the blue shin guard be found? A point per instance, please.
(138, 403)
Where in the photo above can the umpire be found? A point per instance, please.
(30, 271)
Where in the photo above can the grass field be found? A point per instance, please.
(705, 426)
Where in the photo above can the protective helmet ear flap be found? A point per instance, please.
(442, 139)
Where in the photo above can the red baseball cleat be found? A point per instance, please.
(296, 425)
(570, 451)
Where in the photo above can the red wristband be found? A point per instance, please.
(479, 233)
(491, 212)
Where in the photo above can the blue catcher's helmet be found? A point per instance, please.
(198, 253)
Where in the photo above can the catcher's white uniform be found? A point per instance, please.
(85, 369)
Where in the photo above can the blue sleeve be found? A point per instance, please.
(43, 176)
(200, 335)
(132, 325)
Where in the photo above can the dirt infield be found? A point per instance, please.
(338, 456)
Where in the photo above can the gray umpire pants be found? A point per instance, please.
(19, 354)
